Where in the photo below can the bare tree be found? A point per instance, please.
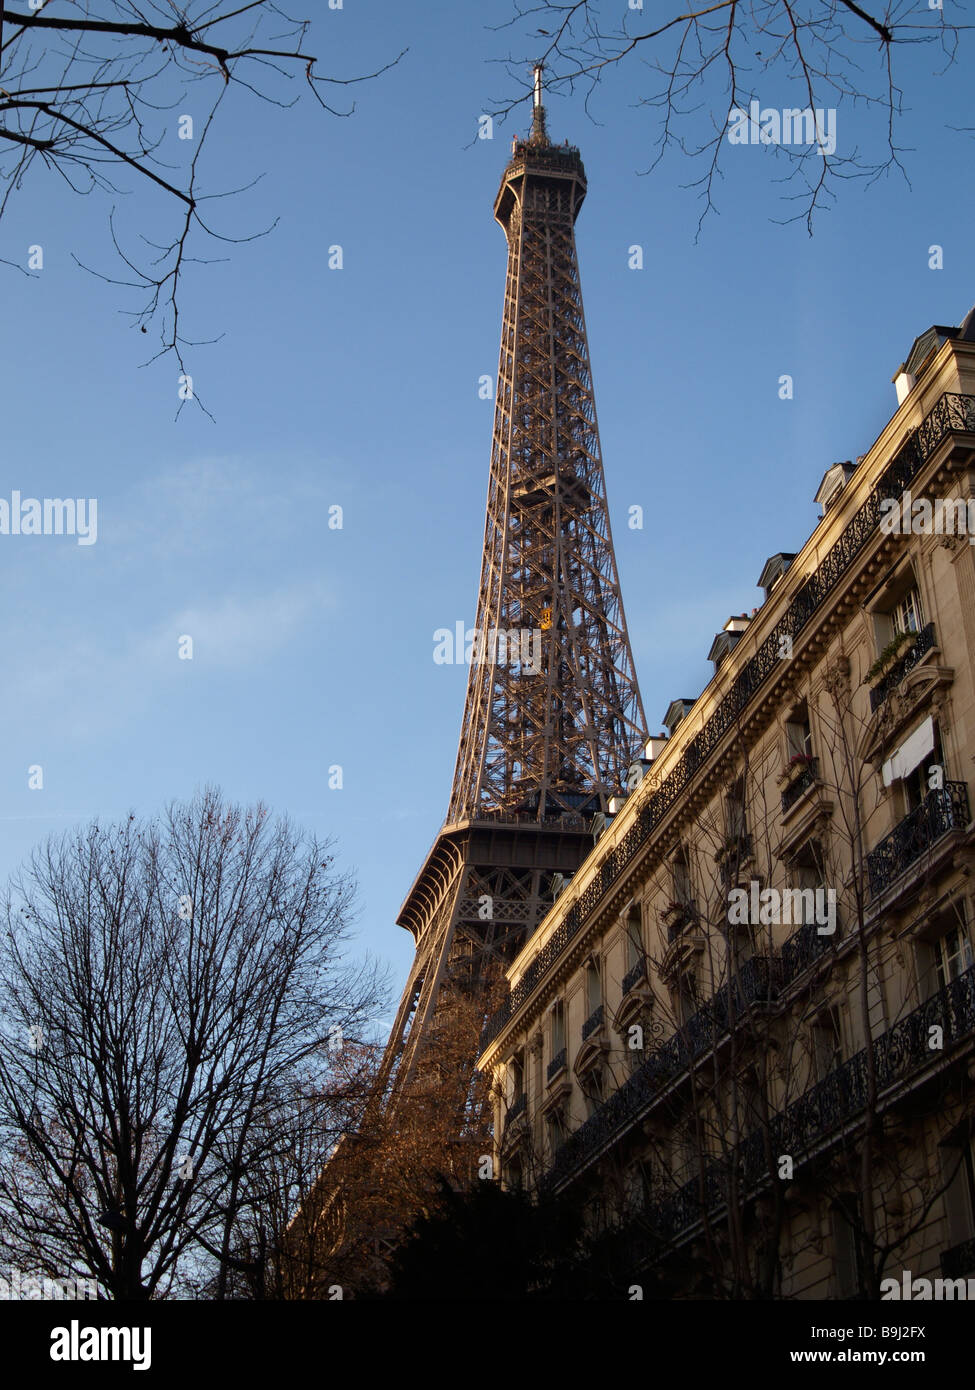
(705, 63)
(163, 988)
(91, 91)
(275, 1252)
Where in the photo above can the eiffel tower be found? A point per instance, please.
(552, 717)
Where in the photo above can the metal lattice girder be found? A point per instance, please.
(561, 734)
(552, 716)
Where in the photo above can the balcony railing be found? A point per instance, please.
(924, 642)
(901, 1052)
(678, 916)
(703, 1031)
(951, 413)
(556, 1065)
(634, 976)
(959, 1261)
(942, 810)
(802, 948)
(806, 777)
(593, 1022)
(517, 1107)
(733, 857)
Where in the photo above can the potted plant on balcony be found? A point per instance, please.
(677, 915)
(733, 845)
(891, 653)
(797, 766)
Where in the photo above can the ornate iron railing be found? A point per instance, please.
(634, 976)
(959, 1261)
(682, 915)
(567, 821)
(754, 985)
(732, 859)
(801, 949)
(556, 1065)
(593, 1022)
(841, 1096)
(952, 413)
(900, 1052)
(517, 1107)
(923, 643)
(806, 777)
(944, 809)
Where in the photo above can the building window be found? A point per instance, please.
(558, 1028)
(798, 734)
(686, 1150)
(514, 1177)
(737, 826)
(591, 1085)
(594, 987)
(516, 1079)
(634, 942)
(906, 614)
(687, 995)
(918, 784)
(638, 1186)
(555, 1122)
(681, 870)
(636, 1037)
(944, 951)
(953, 956)
(807, 876)
(899, 610)
(958, 1171)
(846, 1254)
(827, 1043)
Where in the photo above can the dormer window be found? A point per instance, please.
(728, 638)
(834, 481)
(676, 711)
(775, 568)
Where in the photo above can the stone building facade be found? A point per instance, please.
(743, 1038)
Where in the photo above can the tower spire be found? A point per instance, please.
(539, 133)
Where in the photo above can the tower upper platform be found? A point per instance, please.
(536, 158)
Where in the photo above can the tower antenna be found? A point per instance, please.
(539, 133)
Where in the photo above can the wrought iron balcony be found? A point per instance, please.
(898, 1054)
(959, 1261)
(679, 916)
(952, 413)
(517, 1107)
(732, 857)
(807, 775)
(942, 810)
(924, 642)
(753, 985)
(802, 948)
(901, 1052)
(593, 1022)
(556, 1065)
(634, 976)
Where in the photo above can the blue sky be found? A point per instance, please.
(358, 387)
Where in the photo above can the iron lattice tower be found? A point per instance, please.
(553, 716)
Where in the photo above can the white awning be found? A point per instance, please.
(911, 752)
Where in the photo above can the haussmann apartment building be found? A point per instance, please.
(743, 1038)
